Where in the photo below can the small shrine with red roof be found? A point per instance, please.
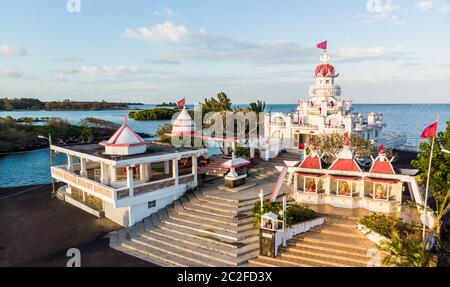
(125, 141)
(345, 184)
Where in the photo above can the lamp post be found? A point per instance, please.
(49, 138)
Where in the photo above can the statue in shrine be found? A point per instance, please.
(311, 187)
(345, 189)
(380, 192)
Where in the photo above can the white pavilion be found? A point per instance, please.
(125, 178)
(323, 113)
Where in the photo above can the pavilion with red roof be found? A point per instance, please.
(310, 182)
(125, 141)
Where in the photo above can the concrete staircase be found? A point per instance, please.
(215, 168)
(199, 229)
(265, 170)
(337, 243)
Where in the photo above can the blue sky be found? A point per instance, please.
(386, 51)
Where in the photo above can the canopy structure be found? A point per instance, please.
(345, 161)
(235, 163)
(381, 164)
(124, 142)
(183, 124)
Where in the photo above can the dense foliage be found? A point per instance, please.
(404, 252)
(35, 104)
(294, 213)
(387, 225)
(332, 144)
(440, 171)
(16, 136)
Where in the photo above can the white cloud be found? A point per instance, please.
(381, 10)
(12, 51)
(110, 71)
(203, 46)
(9, 73)
(164, 11)
(424, 6)
(160, 33)
(444, 7)
(67, 71)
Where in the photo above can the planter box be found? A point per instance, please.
(372, 235)
(295, 229)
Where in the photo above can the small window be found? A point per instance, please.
(151, 204)
(328, 81)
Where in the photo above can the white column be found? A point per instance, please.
(70, 163)
(104, 178)
(166, 167)
(130, 183)
(175, 170)
(195, 169)
(143, 172)
(113, 173)
(83, 170)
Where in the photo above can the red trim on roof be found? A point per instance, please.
(136, 144)
(382, 167)
(136, 135)
(345, 177)
(311, 162)
(382, 180)
(117, 134)
(308, 174)
(345, 165)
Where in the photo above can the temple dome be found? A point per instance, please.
(325, 70)
(183, 124)
(124, 142)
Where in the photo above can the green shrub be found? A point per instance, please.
(387, 225)
(294, 213)
(153, 114)
(299, 213)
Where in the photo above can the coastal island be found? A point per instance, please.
(155, 114)
(23, 135)
(7, 104)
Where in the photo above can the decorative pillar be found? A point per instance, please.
(175, 170)
(195, 169)
(104, 178)
(83, 170)
(166, 167)
(143, 172)
(70, 166)
(113, 173)
(130, 183)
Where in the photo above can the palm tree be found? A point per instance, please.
(258, 107)
(404, 252)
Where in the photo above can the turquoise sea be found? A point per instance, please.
(33, 167)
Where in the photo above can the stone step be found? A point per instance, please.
(218, 240)
(216, 201)
(336, 241)
(340, 231)
(174, 215)
(193, 260)
(345, 221)
(341, 224)
(189, 205)
(202, 242)
(327, 255)
(233, 222)
(339, 217)
(324, 247)
(215, 233)
(316, 261)
(263, 261)
(186, 250)
(154, 256)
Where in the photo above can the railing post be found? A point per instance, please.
(175, 170)
(195, 169)
(83, 169)
(130, 183)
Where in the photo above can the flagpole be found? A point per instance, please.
(427, 188)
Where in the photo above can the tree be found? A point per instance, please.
(404, 252)
(331, 144)
(258, 107)
(163, 132)
(440, 172)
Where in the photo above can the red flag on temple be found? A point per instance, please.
(429, 131)
(181, 103)
(322, 45)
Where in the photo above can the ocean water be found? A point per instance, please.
(33, 167)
